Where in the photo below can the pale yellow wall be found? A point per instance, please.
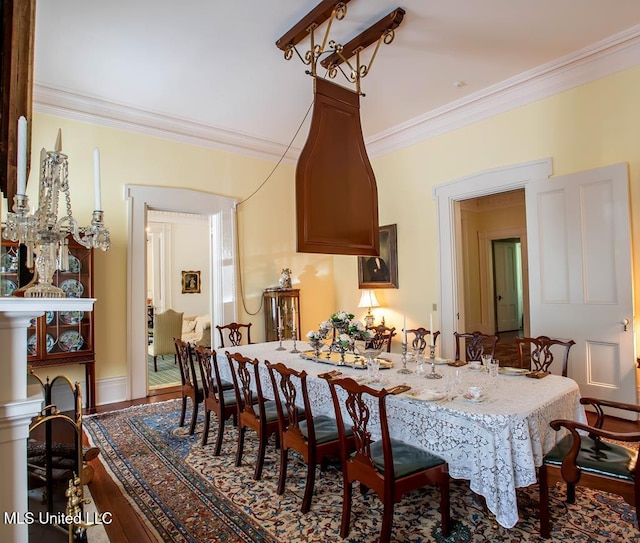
(266, 222)
(594, 125)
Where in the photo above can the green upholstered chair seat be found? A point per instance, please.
(597, 456)
(407, 459)
(325, 427)
(271, 411)
(226, 385)
(229, 396)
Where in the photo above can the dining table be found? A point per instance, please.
(495, 441)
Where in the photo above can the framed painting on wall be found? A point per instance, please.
(381, 271)
(190, 282)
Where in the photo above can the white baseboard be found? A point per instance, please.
(111, 390)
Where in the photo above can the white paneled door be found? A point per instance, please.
(580, 283)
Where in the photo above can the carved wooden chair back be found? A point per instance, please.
(474, 344)
(587, 457)
(234, 333)
(254, 410)
(189, 382)
(537, 353)
(382, 336)
(387, 465)
(298, 427)
(421, 338)
(219, 396)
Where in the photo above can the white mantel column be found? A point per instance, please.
(16, 410)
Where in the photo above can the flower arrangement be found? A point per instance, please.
(341, 319)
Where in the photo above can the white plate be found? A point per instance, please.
(74, 264)
(513, 371)
(474, 400)
(426, 395)
(7, 287)
(479, 367)
(440, 361)
(70, 341)
(72, 288)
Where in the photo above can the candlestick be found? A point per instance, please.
(22, 155)
(279, 317)
(96, 179)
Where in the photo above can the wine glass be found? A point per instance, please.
(371, 355)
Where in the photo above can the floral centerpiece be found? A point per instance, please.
(345, 332)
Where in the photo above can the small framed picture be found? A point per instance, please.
(190, 282)
(381, 271)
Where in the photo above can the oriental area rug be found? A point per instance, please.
(186, 494)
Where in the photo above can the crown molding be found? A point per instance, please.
(71, 105)
(609, 56)
(614, 54)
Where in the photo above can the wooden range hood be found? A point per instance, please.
(336, 192)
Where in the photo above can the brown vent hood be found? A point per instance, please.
(336, 192)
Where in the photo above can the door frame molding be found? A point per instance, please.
(446, 195)
(221, 211)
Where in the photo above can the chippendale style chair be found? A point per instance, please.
(219, 396)
(586, 460)
(388, 466)
(382, 336)
(254, 411)
(474, 345)
(537, 353)
(189, 382)
(234, 333)
(314, 437)
(419, 341)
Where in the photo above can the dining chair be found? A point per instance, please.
(254, 410)
(234, 333)
(166, 326)
(474, 345)
(315, 438)
(219, 395)
(591, 460)
(537, 353)
(419, 341)
(388, 466)
(382, 336)
(189, 382)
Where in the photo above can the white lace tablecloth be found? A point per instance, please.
(495, 444)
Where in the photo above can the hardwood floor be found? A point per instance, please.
(127, 527)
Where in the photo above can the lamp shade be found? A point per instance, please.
(368, 299)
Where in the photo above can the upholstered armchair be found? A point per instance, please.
(166, 326)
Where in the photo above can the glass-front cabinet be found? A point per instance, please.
(281, 306)
(57, 338)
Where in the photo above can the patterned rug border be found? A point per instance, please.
(203, 498)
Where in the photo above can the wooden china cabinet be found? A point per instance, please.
(280, 304)
(58, 338)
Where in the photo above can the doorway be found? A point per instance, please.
(220, 213)
(507, 284)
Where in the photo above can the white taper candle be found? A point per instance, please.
(96, 179)
(431, 329)
(22, 155)
(404, 329)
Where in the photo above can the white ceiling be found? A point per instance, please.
(209, 70)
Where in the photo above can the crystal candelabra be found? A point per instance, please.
(44, 233)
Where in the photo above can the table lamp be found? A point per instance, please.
(368, 300)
